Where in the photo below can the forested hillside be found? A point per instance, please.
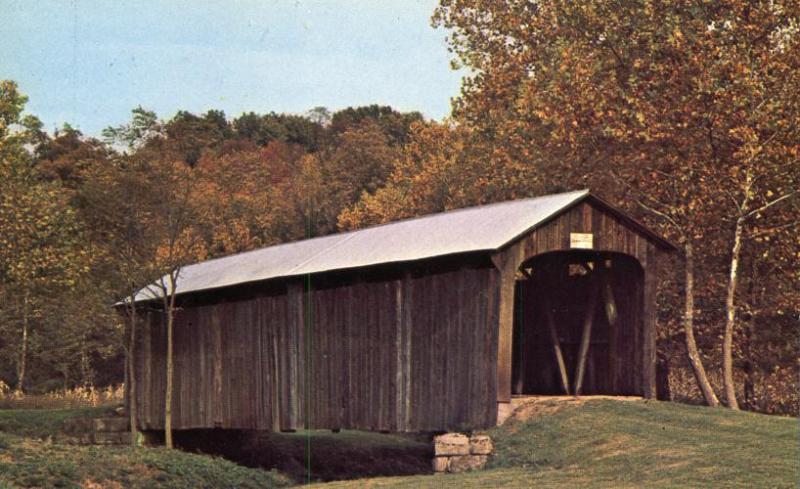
(684, 113)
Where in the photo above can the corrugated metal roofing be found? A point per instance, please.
(482, 228)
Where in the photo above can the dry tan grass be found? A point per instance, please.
(78, 397)
(528, 407)
(90, 484)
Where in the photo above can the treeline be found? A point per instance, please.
(87, 220)
(685, 114)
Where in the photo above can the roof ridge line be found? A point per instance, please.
(345, 238)
(375, 226)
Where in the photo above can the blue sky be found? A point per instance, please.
(90, 63)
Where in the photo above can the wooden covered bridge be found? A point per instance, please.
(426, 324)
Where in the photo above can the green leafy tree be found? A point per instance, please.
(40, 245)
(395, 125)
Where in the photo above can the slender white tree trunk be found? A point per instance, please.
(132, 411)
(688, 327)
(170, 312)
(168, 395)
(730, 317)
(23, 349)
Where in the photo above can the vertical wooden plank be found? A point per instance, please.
(649, 325)
(341, 355)
(469, 300)
(465, 321)
(256, 356)
(407, 306)
(282, 358)
(315, 394)
(507, 264)
(146, 375)
(452, 347)
(367, 353)
(441, 328)
(216, 332)
(294, 324)
(348, 386)
(360, 352)
(363, 355)
(375, 355)
(393, 353)
(378, 372)
(325, 367)
(277, 326)
(586, 218)
(399, 382)
(267, 339)
(476, 349)
(327, 328)
(505, 339)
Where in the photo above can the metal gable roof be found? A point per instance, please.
(482, 228)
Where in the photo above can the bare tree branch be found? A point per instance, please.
(768, 205)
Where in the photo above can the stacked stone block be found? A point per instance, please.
(455, 452)
(96, 431)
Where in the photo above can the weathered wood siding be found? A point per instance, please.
(407, 352)
(611, 233)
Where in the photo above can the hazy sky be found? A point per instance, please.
(90, 62)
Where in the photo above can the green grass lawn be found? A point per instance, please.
(42, 423)
(600, 443)
(29, 459)
(609, 444)
(26, 462)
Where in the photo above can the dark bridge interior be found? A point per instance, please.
(578, 324)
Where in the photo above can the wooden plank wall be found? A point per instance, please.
(405, 353)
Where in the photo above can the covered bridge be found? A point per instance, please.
(426, 324)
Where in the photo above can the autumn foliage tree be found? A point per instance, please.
(443, 166)
(683, 112)
(687, 109)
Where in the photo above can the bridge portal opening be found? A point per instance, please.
(578, 322)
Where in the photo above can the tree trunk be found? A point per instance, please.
(688, 327)
(730, 317)
(168, 394)
(23, 350)
(170, 312)
(132, 412)
(87, 376)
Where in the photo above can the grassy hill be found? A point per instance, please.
(43, 423)
(29, 459)
(597, 443)
(607, 444)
